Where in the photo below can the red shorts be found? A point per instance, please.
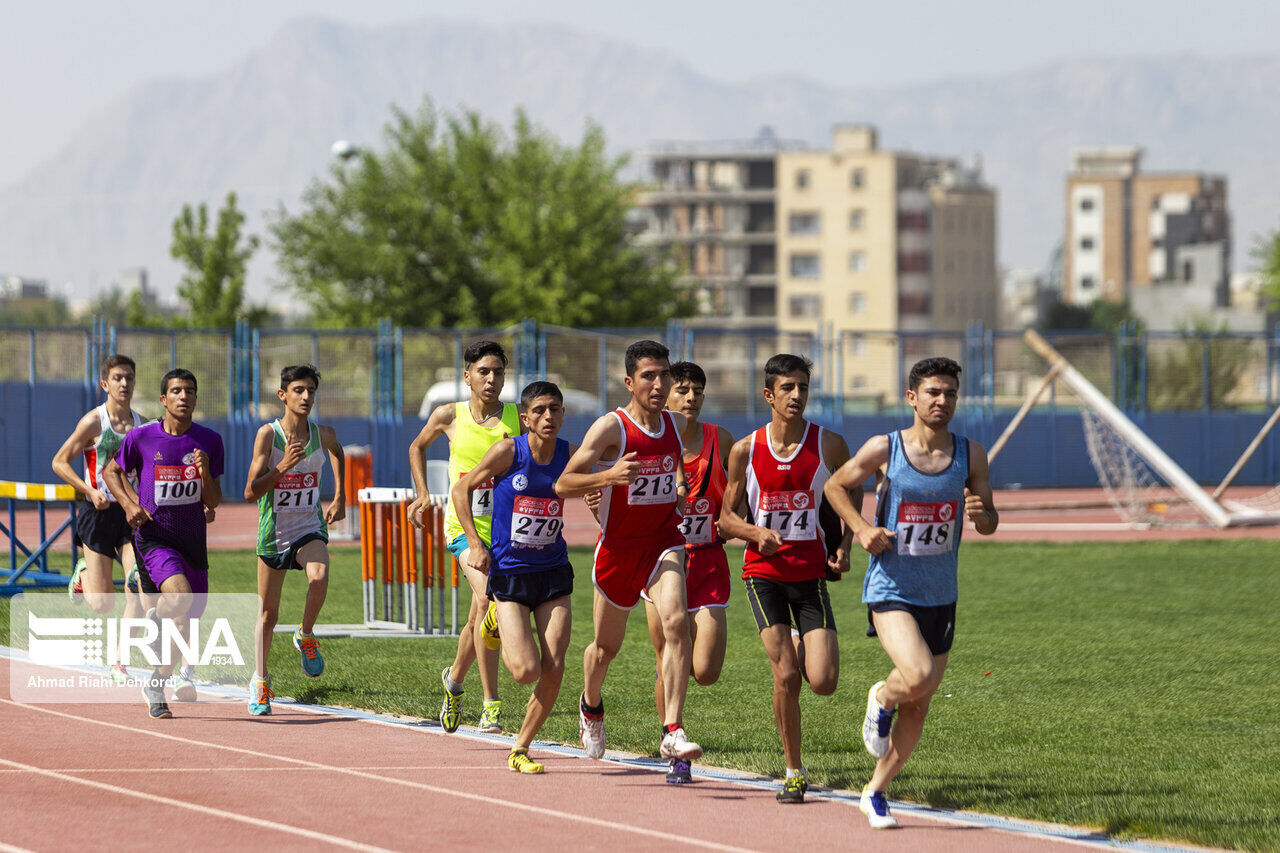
(624, 568)
(706, 578)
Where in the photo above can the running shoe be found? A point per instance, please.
(676, 745)
(491, 717)
(309, 646)
(184, 688)
(119, 675)
(131, 580)
(153, 692)
(520, 762)
(260, 697)
(679, 772)
(75, 590)
(451, 709)
(489, 628)
(793, 788)
(591, 732)
(876, 808)
(877, 725)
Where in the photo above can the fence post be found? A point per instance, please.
(1206, 372)
(31, 405)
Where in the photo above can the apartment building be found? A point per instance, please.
(1127, 231)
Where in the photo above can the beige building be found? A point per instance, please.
(1127, 231)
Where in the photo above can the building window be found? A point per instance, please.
(913, 220)
(857, 261)
(857, 345)
(858, 382)
(802, 179)
(1087, 282)
(1086, 204)
(804, 223)
(805, 265)
(805, 306)
(857, 179)
(857, 303)
(856, 218)
(913, 262)
(1086, 244)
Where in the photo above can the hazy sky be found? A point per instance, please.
(64, 61)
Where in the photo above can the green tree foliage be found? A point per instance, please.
(1177, 371)
(458, 223)
(1266, 251)
(126, 309)
(213, 285)
(35, 312)
(1100, 314)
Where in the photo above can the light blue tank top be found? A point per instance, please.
(927, 512)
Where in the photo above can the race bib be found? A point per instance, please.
(481, 498)
(177, 485)
(656, 482)
(926, 528)
(297, 492)
(536, 522)
(792, 514)
(697, 525)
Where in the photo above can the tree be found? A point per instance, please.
(1266, 251)
(130, 310)
(1101, 315)
(458, 224)
(213, 286)
(1178, 372)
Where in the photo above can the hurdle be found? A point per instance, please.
(15, 578)
(389, 552)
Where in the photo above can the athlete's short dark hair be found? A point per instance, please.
(645, 349)
(294, 372)
(784, 364)
(540, 388)
(116, 360)
(177, 373)
(926, 367)
(478, 350)
(687, 371)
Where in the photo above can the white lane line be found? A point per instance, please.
(10, 848)
(487, 800)
(112, 770)
(169, 801)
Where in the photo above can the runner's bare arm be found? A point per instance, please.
(731, 524)
(496, 461)
(80, 440)
(841, 486)
(337, 460)
(211, 488)
(602, 439)
(263, 479)
(979, 503)
(835, 450)
(439, 424)
(116, 482)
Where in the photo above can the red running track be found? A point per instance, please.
(107, 776)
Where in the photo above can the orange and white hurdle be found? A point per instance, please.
(389, 554)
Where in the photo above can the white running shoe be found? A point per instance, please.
(874, 805)
(676, 745)
(877, 725)
(591, 730)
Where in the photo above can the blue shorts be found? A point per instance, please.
(531, 588)
(458, 545)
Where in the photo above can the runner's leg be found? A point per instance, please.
(786, 689)
(553, 620)
(314, 559)
(270, 584)
(709, 632)
(669, 595)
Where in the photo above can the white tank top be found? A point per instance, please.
(102, 451)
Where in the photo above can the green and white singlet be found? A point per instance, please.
(292, 508)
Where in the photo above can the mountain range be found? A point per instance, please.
(264, 128)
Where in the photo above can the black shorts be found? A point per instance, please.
(804, 604)
(531, 588)
(937, 624)
(103, 531)
(289, 559)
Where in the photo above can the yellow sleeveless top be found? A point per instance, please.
(470, 443)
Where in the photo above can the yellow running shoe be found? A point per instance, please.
(520, 762)
(489, 629)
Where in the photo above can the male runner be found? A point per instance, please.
(293, 533)
(640, 546)
(177, 464)
(910, 588)
(102, 527)
(793, 538)
(706, 455)
(529, 571)
(471, 428)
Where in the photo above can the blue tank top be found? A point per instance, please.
(927, 512)
(528, 515)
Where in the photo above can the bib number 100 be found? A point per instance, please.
(176, 492)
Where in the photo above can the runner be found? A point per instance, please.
(640, 546)
(471, 428)
(706, 454)
(910, 588)
(177, 464)
(102, 528)
(793, 542)
(529, 571)
(293, 533)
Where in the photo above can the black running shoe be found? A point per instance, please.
(793, 790)
(680, 772)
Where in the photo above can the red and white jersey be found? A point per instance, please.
(707, 479)
(103, 450)
(786, 495)
(646, 508)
